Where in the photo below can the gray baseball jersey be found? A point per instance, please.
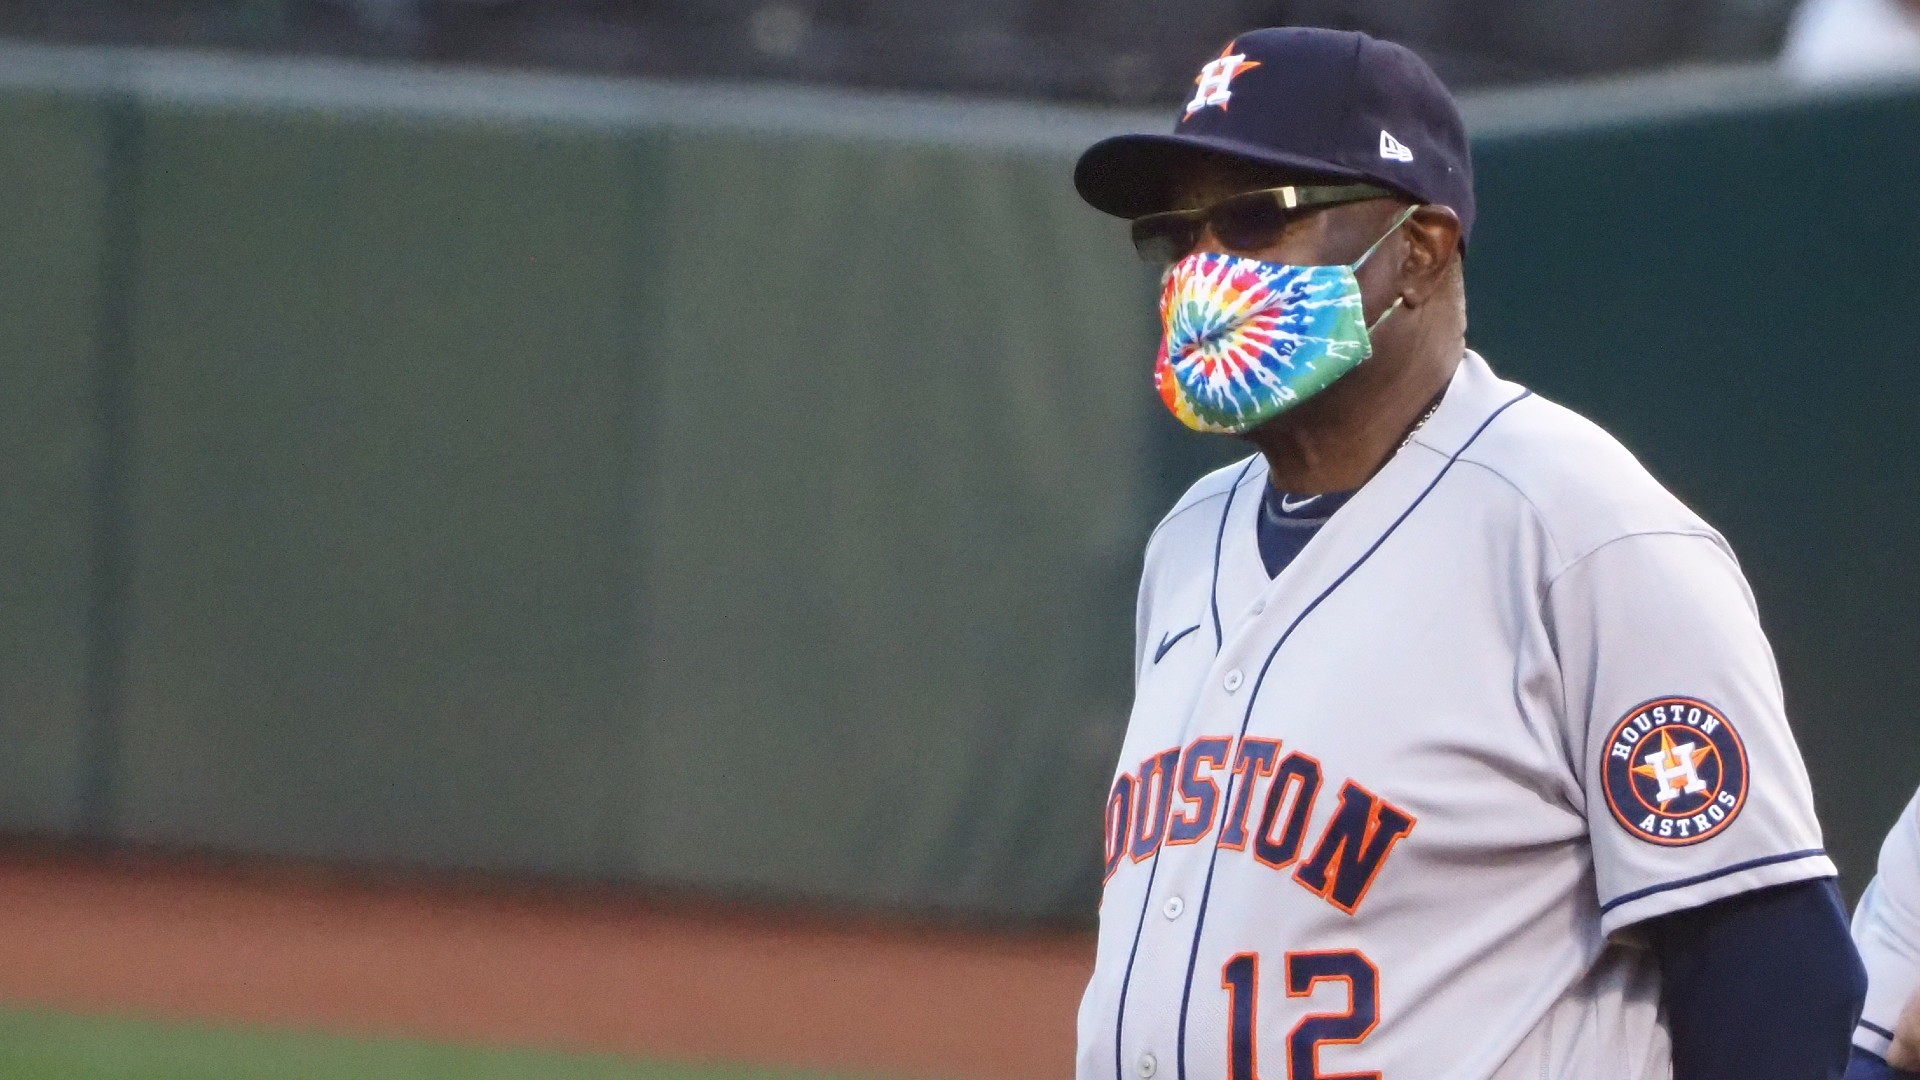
(1389, 813)
(1886, 927)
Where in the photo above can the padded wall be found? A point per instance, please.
(385, 489)
(53, 169)
(896, 508)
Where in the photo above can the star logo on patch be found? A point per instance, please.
(1214, 85)
(1675, 768)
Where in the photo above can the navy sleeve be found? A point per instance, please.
(1866, 1066)
(1762, 986)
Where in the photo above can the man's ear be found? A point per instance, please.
(1433, 243)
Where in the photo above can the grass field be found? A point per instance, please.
(53, 1046)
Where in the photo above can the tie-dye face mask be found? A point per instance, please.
(1244, 341)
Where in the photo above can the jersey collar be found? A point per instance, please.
(1247, 599)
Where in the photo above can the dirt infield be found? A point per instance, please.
(492, 965)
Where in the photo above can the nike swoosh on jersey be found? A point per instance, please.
(1288, 506)
(1169, 640)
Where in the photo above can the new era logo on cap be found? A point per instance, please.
(1393, 149)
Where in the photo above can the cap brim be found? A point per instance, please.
(1131, 175)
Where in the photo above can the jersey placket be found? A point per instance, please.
(1407, 487)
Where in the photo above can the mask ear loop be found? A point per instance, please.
(1391, 308)
(1405, 216)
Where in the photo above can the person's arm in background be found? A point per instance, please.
(1903, 1053)
(1765, 985)
(1886, 927)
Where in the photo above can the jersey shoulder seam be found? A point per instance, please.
(1538, 515)
(1697, 534)
(1546, 529)
(1180, 511)
(1203, 500)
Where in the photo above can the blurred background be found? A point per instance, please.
(1121, 52)
(552, 537)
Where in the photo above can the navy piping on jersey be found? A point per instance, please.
(1750, 864)
(1213, 593)
(1213, 858)
(1153, 867)
(1876, 1029)
(1126, 980)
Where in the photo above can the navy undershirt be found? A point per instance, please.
(1288, 521)
(1761, 986)
(1765, 985)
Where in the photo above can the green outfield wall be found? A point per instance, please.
(742, 489)
(53, 171)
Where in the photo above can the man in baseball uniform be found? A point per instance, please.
(1457, 751)
(1886, 926)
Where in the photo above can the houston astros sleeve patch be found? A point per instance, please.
(1675, 771)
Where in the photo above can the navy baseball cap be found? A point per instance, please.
(1329, 103)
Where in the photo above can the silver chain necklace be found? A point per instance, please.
(1420, 423)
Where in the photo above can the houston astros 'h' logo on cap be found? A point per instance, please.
(1214, 86)
(1675, 771)
(1326, 105)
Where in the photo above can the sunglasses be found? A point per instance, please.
(1245, 222)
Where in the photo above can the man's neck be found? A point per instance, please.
(1338, 440)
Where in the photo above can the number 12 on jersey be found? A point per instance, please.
(1305, 971)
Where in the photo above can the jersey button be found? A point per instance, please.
(1233, 680)
(1173, 907)
(1148, 1065)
